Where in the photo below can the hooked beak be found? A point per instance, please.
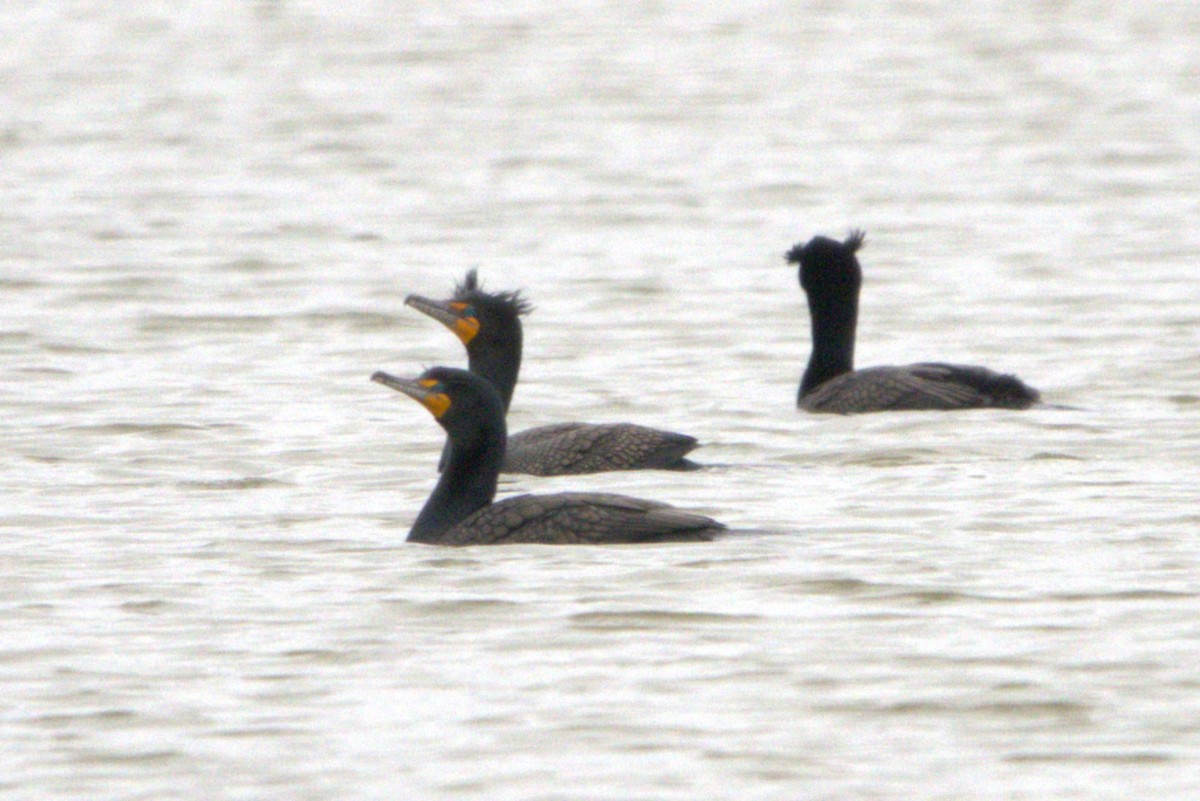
(419, 389)
(449, 313)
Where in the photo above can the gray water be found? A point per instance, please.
(212, 213)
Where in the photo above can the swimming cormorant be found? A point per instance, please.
(489, 325)
(831, 277)
(460, 510)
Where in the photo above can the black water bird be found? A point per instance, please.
(489, 325)
(460, 510)
(831, 277)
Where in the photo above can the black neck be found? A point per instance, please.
(468, 482)
(834, 319)
(499, 363)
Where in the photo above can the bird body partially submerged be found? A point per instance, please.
(460, 510)
(919, 387)
(577, 448)
(576, 518)
(489, 326)
(831, 277)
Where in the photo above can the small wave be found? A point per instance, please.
(122, 429)
(270, 731)
(171, 323)
(20, 283)
(42, 371)
(460, 606)
(247, 483)
(321, 655)
(893, 458)
(655, 619)
(1055, 456)
(109, 715)
(128, 757)
(253, 264)
(357, 320)
(1076, 757)
(146, 607)
(1124, 595)
(1027, 709)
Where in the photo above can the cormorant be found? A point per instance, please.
(489, 325)
(460, 510)
(831, 277)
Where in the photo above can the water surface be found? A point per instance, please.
(212, 215)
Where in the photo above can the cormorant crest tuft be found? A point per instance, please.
(470, 286)
(855, 240)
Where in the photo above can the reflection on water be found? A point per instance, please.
(213, 217)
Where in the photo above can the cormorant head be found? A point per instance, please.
(480, 319)
(826, 264)
(462, 402)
